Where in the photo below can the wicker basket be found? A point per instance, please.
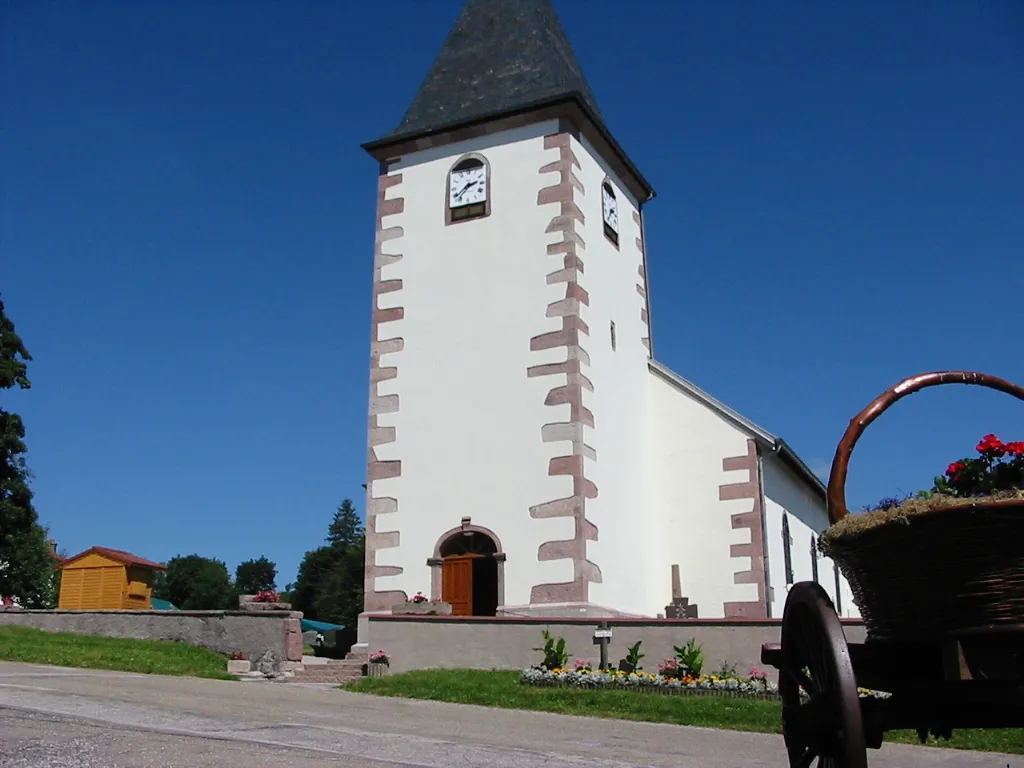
(938, 573)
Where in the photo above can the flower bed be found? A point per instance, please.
(679, 675)
(710, 685)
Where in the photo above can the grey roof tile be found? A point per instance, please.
(501, 55)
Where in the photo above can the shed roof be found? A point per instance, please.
(309, 625)
(116, 554)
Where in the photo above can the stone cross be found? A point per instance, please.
(680, 607)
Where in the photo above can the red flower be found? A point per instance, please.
(955, 468)
(1016, 448)
(991, 445)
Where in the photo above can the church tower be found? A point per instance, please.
(507, 466)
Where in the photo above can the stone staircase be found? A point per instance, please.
(337, 671)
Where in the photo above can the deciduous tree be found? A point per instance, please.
(197, 583)
(253, 576)
(27, 571)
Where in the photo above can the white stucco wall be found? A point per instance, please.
(468, 429)
(694, 528)
(623, 511)
(786, 494)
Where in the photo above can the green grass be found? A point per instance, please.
(154, 657)
(503, 689)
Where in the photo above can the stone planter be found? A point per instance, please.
(376, 670)
(422, 609)
(254, 606)
(239, 666)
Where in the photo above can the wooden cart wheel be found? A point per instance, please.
(825, 725)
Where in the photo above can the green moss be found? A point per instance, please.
(854, 525)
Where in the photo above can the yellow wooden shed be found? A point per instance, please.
(106, 579)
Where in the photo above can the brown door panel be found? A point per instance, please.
(457, 584)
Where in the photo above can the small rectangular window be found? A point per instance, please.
(612, 330)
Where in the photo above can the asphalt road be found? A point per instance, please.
(52, 717)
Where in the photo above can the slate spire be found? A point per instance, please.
(501, 56)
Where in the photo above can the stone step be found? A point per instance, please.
(326, 676)
(334, 671)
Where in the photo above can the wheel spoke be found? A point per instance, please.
(800, 662)
(805, 760)
(800, 677)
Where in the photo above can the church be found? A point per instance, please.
(527, 453)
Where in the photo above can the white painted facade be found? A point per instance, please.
(468, 419)
(468, 425)
(787, 496)
(622, 510)
(689, 441)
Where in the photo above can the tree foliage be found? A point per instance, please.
(329, 586)
(27, 571)
(197, 583)
(253, 576)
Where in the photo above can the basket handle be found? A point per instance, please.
(837, 478)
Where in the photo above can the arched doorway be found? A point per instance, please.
(470, 567)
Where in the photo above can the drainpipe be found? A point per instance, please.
(769, 588)
(647, 281)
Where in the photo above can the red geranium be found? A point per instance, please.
(991, 445)
(998, 467)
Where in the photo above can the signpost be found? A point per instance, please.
(603, 636)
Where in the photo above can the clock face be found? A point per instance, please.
(468, 186)
(611, 209)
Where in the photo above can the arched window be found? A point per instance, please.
(610, 213)
(787, 552)
(469, 190)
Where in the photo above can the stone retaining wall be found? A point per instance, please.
(423, 642)
(251, 633)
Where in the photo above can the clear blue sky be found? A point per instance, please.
(186, 227)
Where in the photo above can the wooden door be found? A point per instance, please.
(457, 584)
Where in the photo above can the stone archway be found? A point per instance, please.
(468, 570)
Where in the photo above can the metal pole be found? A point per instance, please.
(604, 647)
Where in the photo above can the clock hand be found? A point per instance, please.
(463, 191)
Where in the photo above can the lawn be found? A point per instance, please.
(493, 689)
(91, 652)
